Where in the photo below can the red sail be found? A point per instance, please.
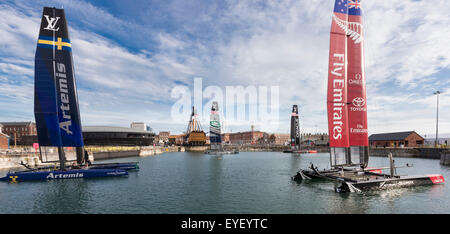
(337, 83)
(356, 85)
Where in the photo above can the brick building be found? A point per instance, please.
(17, 130)
(226, 138)
(176, 139)
(164, 136)
(279, 138)
(4, 139)
(244, 138)
(396, 139)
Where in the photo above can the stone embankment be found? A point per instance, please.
(431, 153)
(445, 157)
(14, 157)
(138, 151)
(272, 148)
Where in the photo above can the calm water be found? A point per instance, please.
(256, 182)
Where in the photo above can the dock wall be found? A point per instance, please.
(445, 158)
(431, 153)
(13, 158)
(141, 152)
(116, 154)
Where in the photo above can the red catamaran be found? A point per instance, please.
(347, 112)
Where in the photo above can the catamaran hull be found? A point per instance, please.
(57, 175)
(301, 151)
(221, 152)
(122, 166)
(385, 184)
(380, 183)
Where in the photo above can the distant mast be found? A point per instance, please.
(214, 128)
(346, 99)
(295, 129)
(55, 98)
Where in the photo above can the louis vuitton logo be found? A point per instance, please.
(51, 23)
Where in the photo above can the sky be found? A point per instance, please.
(129, 56)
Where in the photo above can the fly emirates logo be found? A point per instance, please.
(338, 90)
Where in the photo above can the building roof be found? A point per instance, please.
(16, 123)
(393, 136)
(112, 129)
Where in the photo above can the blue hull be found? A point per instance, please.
(57, 175)
(123, 166)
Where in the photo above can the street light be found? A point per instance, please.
(437, 116)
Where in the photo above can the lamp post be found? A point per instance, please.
(437, 116)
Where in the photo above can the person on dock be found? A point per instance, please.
(86, 158)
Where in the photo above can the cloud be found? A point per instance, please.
(127, 61)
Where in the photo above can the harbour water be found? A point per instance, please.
(249, 182)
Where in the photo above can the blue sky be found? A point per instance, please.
(129, 55)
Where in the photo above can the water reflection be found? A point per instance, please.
(250, 182)
(62, 196)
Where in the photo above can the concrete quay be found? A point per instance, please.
(431, 153)
(140, 151)
(13, 158)
(445, 158)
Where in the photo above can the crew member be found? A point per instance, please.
(86, 158)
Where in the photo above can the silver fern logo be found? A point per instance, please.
(352, 29)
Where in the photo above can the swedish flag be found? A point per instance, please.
(58, 42)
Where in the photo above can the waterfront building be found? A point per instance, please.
(114, 136)
(4, 141)
(315, 139)
(396, 139)
(245, 138)
(164, 136)
(180, 139)
(18, 131)
(138, 125)
(279, 138)
(176, 139)
(225, 138)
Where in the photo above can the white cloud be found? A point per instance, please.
(256, 43)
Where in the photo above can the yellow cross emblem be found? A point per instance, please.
(13, 179)
(59, 43)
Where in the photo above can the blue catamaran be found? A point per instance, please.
(56, 107)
